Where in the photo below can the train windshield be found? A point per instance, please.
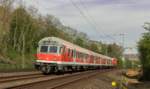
(48, 49)
(44, 49)
(53, 49)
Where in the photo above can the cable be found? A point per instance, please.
(82, 3)
(81, 12)
(92, 23)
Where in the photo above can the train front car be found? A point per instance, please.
(48, 55)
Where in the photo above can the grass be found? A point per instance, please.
(17, 64)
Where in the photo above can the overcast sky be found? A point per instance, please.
(105, 17)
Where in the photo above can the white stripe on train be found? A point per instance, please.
(72, 63)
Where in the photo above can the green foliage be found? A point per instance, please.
(144, 49)
(115, 51)
(21, 30)
(128, 63)
(104, 49)
(120, 63)
(79, 41)
(94, 47)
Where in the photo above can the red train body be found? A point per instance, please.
(55, 54)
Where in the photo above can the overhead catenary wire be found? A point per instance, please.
(89, 18)
(82, 13)
(92, 20)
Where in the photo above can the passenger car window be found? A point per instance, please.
(68, 52)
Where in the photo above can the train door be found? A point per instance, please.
(74, 55)
(64, 54)
(70, 55)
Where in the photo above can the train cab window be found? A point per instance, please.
(44, 49)
(53, 49)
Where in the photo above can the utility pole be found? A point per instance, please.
(123, 45)
(123, 40)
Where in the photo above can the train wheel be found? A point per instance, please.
(46, 69)
(59, 71)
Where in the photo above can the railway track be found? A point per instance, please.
(20, 77)
(39, 81)
(55, 82)
(70, 80)
(18, 74)
(22, 80)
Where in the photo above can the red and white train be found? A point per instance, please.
(55, 54)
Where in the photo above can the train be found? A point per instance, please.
(57, 55)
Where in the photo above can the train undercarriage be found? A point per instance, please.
(49, 68)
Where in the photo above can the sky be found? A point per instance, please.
(102, 20)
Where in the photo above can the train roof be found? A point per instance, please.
(71, 45)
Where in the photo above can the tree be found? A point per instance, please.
(5, 16)
(114, 50)
(79, 41)
(21, 28)
(128, 63)
(94, 47)
(144, 50)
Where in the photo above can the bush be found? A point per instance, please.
(144, 50)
